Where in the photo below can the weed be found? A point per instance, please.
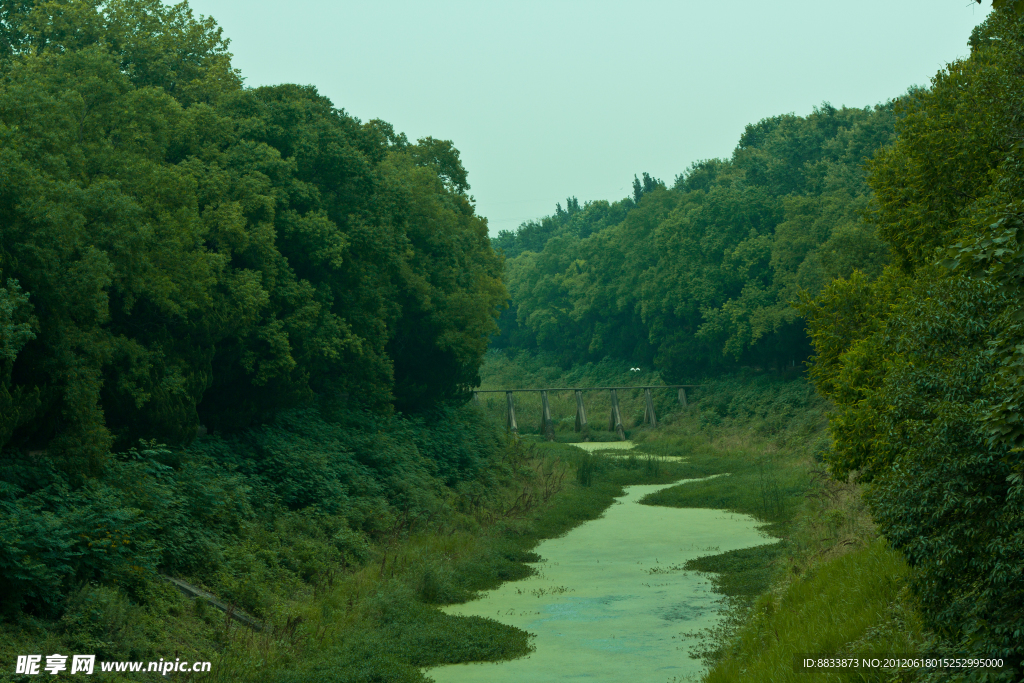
(652, 466)
(585, 469)
(773, 504)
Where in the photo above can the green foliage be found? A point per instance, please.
(746, 573)
(581, 222)
(55, 537)
(179, 250)
(700, 277)
(766, 480)
(1015, 6)
(286, 503)
(102, 620)
(768, 404)
(741, 489)
(922, 363)
(405, 636)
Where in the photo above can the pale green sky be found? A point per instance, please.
(565, 97)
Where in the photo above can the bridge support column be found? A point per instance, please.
(512, 425)
(546, 427)
(649, 416)
(581, 416)
(682, 397)
(615, 421)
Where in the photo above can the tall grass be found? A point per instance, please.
(856, 604)
(585, 469)
(773, 502)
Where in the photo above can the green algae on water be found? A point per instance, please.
(611, 599)
(604, 445)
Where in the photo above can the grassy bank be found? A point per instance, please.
(830, 586)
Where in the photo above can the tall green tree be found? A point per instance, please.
(923, 362)
(177, 249)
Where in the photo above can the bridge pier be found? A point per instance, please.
(512, 425)
(649, 416)
(581, 416)
(545, 418)
(615, 421)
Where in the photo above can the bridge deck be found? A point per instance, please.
(639, 386)
(614, 420)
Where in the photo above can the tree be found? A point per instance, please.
(176, 249)
(923, 362)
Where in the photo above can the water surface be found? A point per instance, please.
(604, 445)
(611, 602)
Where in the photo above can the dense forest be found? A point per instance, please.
(700, 277)
(180, 250)
(239, 328)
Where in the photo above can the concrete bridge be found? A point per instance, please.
(614, 420)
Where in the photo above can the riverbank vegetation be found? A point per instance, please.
(347, 593)
(923, 362)
(830, 585)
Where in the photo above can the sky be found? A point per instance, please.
(557, 98)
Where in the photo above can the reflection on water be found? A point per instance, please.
(611, 600)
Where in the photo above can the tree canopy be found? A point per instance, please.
(700, 277)
(178, 249)
(924, 363)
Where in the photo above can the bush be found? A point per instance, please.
(53, 538)
(101, 620)
(275, 507)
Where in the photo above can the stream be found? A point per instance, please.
(611, 601)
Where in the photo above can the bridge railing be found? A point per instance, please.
(582, 425)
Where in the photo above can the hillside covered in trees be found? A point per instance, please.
(700, 277)
(923, 363)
